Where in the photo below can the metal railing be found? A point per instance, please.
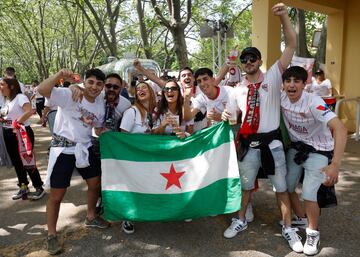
(357, 100)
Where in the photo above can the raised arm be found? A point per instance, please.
(221, 74)
(47, 85)
(289, 34)
(148, 74)
(188, 111)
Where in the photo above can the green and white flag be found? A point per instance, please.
(163, 178)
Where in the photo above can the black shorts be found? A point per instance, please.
(64, 167)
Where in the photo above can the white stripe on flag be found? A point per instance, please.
(144, 177)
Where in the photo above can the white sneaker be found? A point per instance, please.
(236, 226)
(297, 222)
(312, 242)
(249, 214)
(293, 239)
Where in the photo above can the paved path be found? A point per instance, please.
(23, 223)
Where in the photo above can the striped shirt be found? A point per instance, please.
(307, 119)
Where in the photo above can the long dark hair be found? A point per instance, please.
(164, 105)
(14, 87)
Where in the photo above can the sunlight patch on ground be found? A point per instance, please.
(4, 232)
(19, 226)
(249, 253)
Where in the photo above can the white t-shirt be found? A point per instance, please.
(12, 110)
(306, 121)
(37, 94)
(75, 120)
(269, 92)
(122, 106)
(132, 122)
(322, 89)
(168, 129)
(50, 105)
(218, 104)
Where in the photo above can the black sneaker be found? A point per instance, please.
(128, 227)
(52, 244)
(97, 222)
(22, 193)
(38, 194)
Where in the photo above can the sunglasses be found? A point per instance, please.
(170, 89)
(252, 59)
(114, 86)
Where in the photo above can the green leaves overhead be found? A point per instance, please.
(40, 37)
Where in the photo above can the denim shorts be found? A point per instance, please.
(313, 176)
(251, 163)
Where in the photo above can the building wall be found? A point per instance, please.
(343, 43)
(350, 85)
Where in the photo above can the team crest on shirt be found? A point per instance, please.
(265, 87)
(323, 107)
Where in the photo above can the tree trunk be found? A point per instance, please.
(301, 48)
(321, 51)
(143, 30)
(178, 34)
(176, 27)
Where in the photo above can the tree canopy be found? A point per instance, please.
(40, 37)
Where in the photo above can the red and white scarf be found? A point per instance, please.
(24, 146)
(252, 117)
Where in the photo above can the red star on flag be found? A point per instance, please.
(173, 177)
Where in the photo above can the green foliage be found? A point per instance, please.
(40, 37)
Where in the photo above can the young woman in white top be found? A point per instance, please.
(141, 118)
(170, 111)
(17, 110)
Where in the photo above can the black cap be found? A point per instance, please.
(250, 50)
(319, 71)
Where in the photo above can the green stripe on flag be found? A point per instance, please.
(136, 147)
(223, 196)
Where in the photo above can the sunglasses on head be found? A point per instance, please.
(114, 86)
(250, 58)
(170, 89)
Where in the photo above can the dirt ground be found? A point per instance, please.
(23, 223)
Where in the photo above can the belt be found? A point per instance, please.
(60, 141)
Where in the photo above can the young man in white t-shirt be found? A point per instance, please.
(71, 146)
(309, 122)
(213, 98)
(258, 98)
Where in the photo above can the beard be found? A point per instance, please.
(111, 96)
(251, 70)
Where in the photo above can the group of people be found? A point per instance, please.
(183, 107)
